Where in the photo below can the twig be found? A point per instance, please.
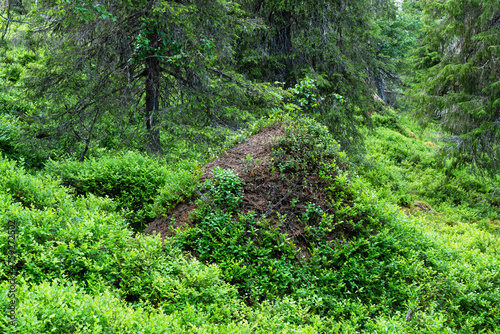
(281, 200)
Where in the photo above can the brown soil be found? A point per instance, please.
(257, 146)
(267, 191)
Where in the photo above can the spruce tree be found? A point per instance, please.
(460, 87)
(115, 67)
(331, 42)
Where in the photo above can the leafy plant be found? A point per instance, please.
(133, 180)
(224, 189)
(304, 94)
(313, 211)
(180, 185)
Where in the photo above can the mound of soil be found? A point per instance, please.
(258, 147)
(268, 192)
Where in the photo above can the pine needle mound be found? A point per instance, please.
(258, 147)
(271, 205)
(285, 172)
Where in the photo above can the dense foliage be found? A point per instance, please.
(360, 216)
(461, 82)
(386, 265)
(131, 179)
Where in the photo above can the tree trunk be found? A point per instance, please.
(153, 99)
(380, 86)
(282, 45)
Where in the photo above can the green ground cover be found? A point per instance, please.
(83, 270)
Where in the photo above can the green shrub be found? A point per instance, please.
(10, 133)
(63, 307)
(27, 58)
(304, 94)
(81, 240)
(12, 103)
(131, 179)
(387, 119)
(404, 170)
(254, 257)
(224, 189)
(308, 145)
(12, 73)
(38, 192)
(180, 185)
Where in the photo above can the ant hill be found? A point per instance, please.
(288, 185)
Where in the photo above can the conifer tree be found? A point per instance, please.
(119, 64)
(332, 42)
(461, 80)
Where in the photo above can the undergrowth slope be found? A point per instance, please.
(327, 253)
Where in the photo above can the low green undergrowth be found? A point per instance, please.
(85, 245)
(358, 265)
(386, 266)
(135, 181)
(63, 307)
(400, 164)
(81, 271)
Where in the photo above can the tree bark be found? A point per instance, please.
(380, 86)
(152, 73)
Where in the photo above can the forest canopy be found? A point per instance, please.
(136, 73)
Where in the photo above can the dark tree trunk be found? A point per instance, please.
(380, 86)
(152, 98)
(281, 46)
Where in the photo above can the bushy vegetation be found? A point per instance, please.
(401, 164)
(367, 264)
(359, 219)
(133, 180)
(95, 265)
(385, 261)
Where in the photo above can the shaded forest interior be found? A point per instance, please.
(249, 166)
